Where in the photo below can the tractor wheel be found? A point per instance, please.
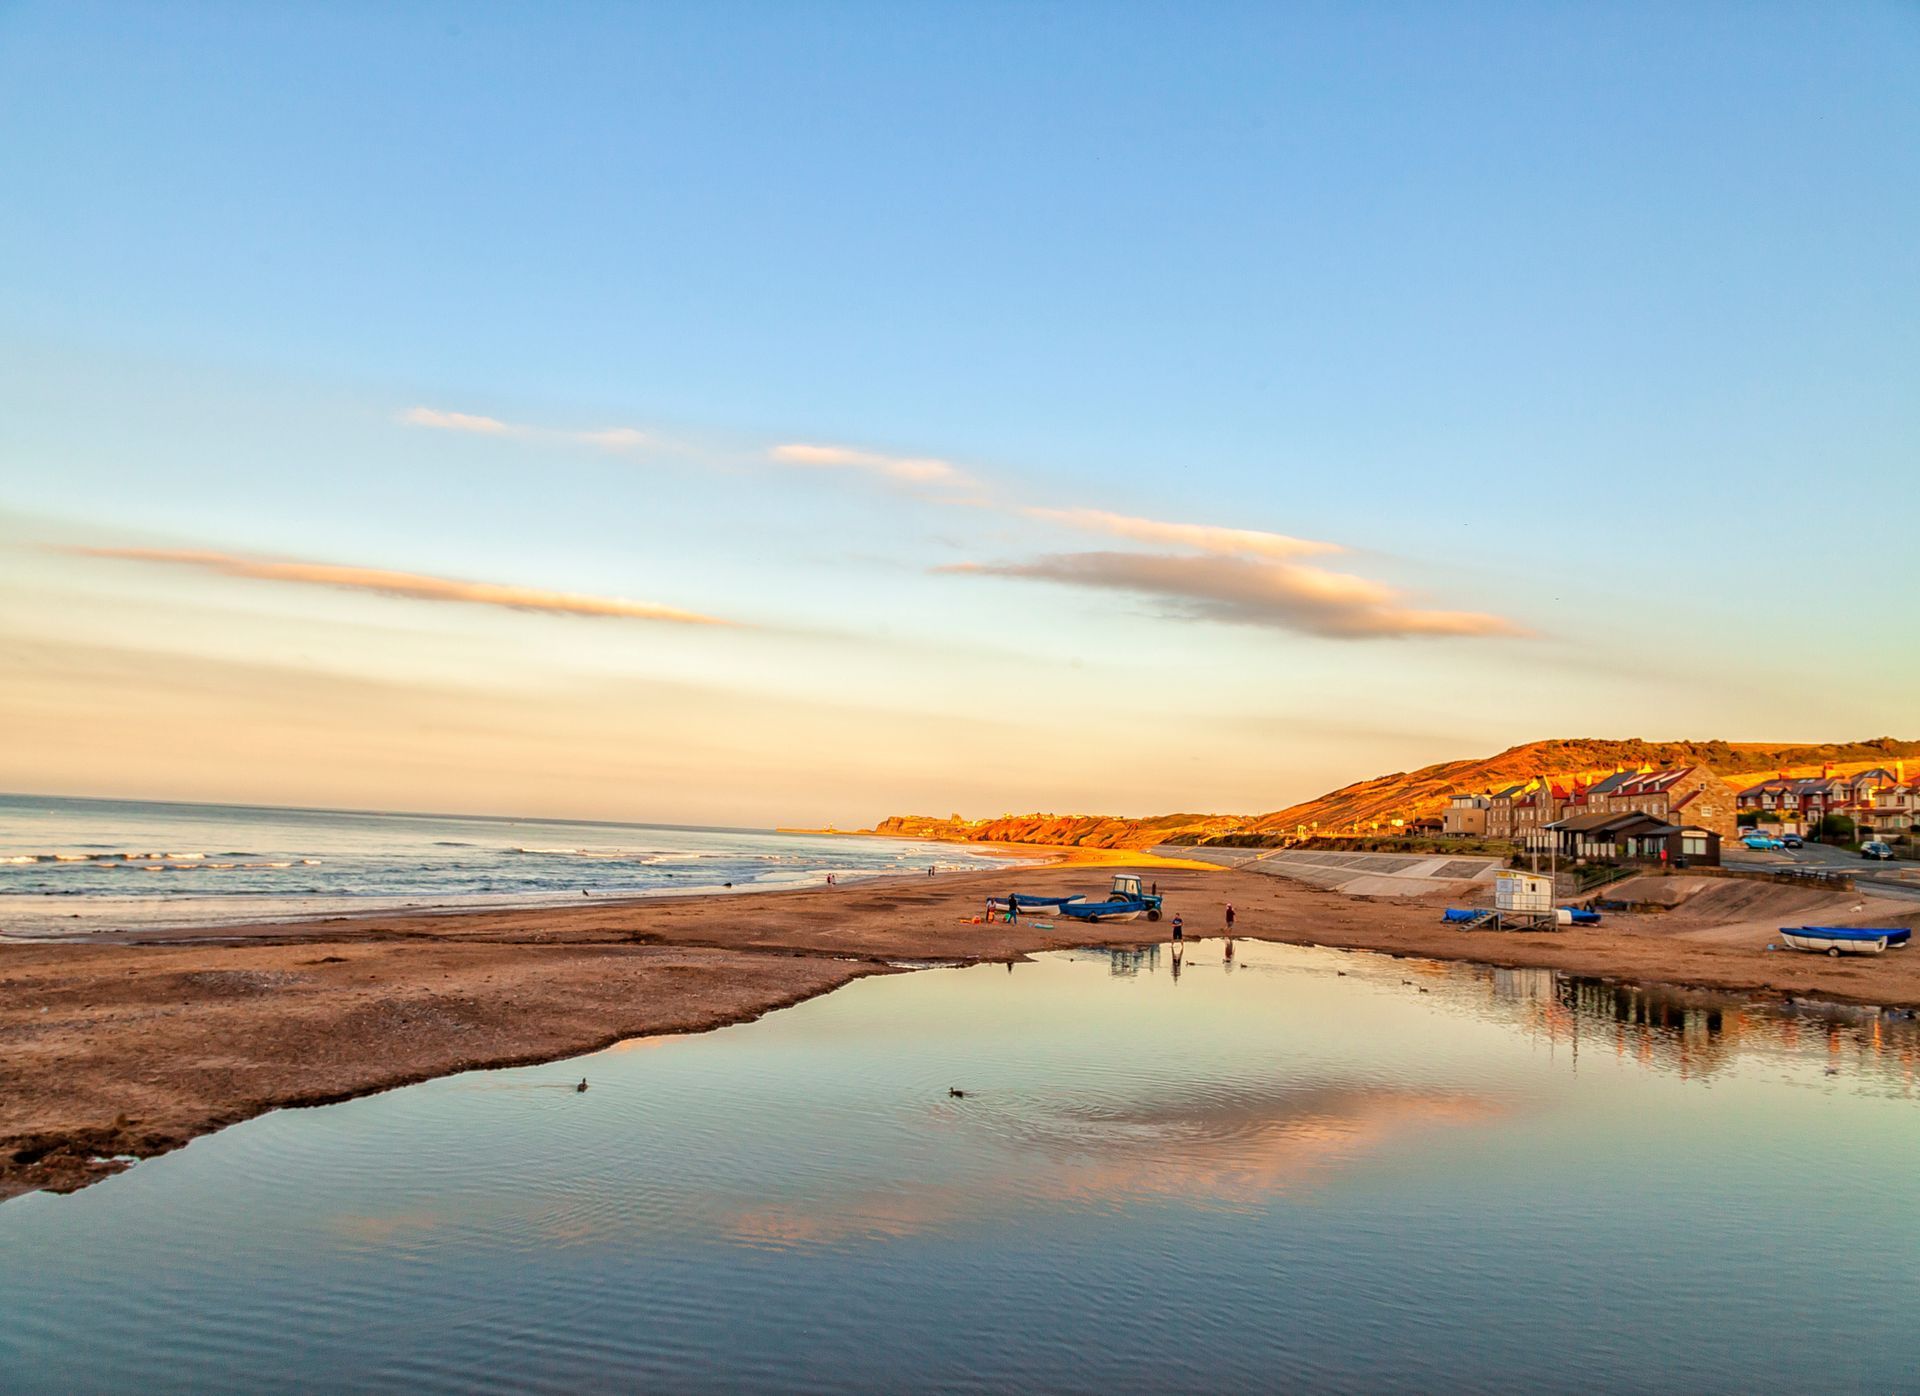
(1153, 913)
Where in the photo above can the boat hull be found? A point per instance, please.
(1103, 911)
(1041, 904)
(1820, 942)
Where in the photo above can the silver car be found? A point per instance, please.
(1876, 850)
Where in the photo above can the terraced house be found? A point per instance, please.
(1682, 811)
(1883, 802)
(1684, 795)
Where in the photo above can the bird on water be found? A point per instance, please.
(583, 1084)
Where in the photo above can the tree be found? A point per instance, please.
(1834, 828)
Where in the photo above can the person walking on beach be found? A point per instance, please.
(1229, 918)
(1179, 930)
(1013, 909)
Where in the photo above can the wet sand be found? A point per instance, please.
(135, 1048)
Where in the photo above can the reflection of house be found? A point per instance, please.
(1633, 836)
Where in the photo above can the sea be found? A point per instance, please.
(1299, 1170)
(72, 867)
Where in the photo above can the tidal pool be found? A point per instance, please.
(1308, 1169)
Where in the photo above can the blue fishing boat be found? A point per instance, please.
(1023, 901)
(1126, 900)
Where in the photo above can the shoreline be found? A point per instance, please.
(136, 1047)
(249, 926)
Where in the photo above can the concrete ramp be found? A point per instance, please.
(1356, 874)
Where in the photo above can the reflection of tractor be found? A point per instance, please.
(1126, 899)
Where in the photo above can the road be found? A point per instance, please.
(1896, 879)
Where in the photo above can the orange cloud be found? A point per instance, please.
(1205, 538)
(413, 586)
(1243, 591)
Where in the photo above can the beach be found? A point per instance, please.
(130, 1049)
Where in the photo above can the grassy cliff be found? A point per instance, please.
(1417, 794)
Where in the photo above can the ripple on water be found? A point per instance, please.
(1267, 1170)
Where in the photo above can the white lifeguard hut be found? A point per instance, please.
(1522, 891)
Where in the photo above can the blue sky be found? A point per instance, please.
(1594, 325)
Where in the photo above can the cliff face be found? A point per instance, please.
(1417, 794)
(1068, 830)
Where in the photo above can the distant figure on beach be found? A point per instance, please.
(929, 872)
(1229, 918)
(1013, 909)
(1179, 929)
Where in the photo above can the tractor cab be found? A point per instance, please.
(1128, 887)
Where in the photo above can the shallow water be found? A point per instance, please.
(83, 866)
(1300, 1171)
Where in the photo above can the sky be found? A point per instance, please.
(793, 414)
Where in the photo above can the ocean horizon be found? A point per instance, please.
(83, 865)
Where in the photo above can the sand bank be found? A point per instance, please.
(135, 1048)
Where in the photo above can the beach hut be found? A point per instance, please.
(1522, 891)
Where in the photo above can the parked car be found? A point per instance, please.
(1793, 841)
(1876, 850)
(1762, 842)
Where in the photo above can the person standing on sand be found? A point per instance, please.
(1179, 930)
(1229, 918)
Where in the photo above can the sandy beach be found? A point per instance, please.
(133, 1048)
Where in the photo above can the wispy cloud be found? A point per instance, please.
(437, 420)
(1205, 538)
(607, 438)
(614, 438)
(411, 585)
(1242, 576)
(910, 470)
(1245, 591)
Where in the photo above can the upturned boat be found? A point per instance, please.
(1845, 940)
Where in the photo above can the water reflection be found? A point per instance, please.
(1365, 1173)
(1697, 1033)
